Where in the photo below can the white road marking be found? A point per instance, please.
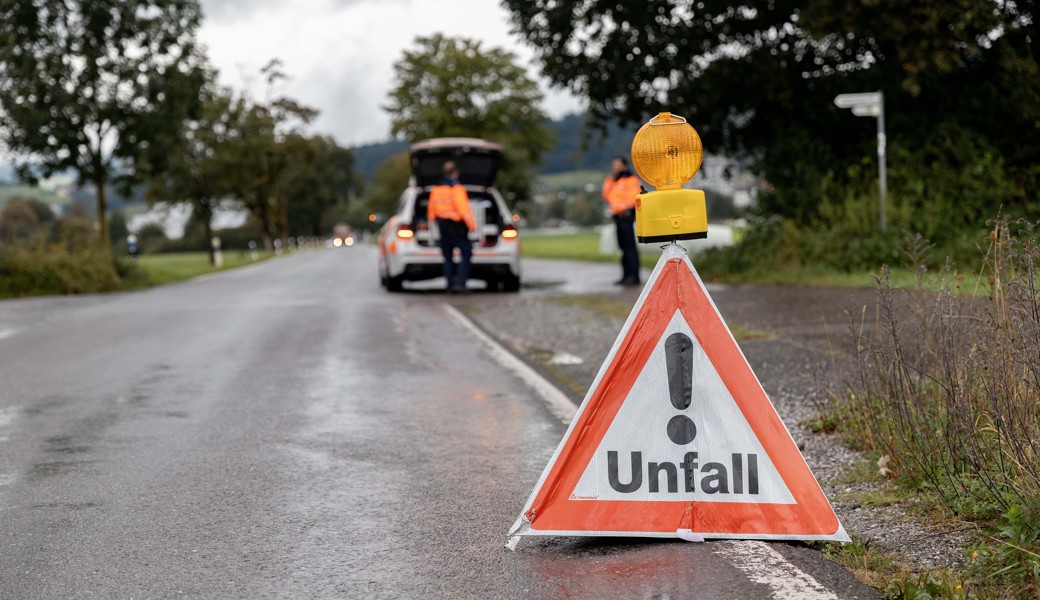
(7, 332)
(756, 560)
(559, 404)
(564, 358)
(763, 565)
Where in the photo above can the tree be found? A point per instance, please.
(757, 80)
(95, 85)
(388, 183)
(320, 177)
(453, 87)
(255, 156)
(195, 172)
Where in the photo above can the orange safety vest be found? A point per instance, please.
(620, 194)
(450, 202)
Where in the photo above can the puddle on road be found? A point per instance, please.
(59, 467)
(8, 415)
(45, 406)
(65, 445)
(537, 284)
(66, 506)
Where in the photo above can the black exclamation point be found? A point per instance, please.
(678, 351)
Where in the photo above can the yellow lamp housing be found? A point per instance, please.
(667, 152)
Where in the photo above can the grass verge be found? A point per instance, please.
(945, 389)
(167, 268)
(584, 246)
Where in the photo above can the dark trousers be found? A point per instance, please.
(454, 234)
(626, 238)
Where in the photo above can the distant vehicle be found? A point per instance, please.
(341, 236)
(409, 246)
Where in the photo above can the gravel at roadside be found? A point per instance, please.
(796, 336)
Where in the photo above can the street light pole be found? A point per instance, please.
(872, 104)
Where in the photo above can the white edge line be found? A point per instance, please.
(765, 566)
(559, 404)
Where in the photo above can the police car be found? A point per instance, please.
(409, 245)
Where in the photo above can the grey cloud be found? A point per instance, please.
(228, 10)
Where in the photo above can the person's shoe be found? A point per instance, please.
(620, 281)
(458, 289)
(630, 281)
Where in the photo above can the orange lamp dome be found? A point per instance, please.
(667, 152)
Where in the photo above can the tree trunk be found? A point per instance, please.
(99, 181)
(265, 229)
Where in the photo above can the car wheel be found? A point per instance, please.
(395, 284)
(511, 283)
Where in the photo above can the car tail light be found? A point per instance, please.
(405, 232)
(509, 232)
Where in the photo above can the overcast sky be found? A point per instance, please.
(339, 54)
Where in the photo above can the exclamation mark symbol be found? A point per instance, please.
(678, 351)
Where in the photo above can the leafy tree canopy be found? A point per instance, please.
(95, 85)
(319, 178)
(757, 79)
(450, 87)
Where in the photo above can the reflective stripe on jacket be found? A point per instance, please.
(450, 202)
(621, 193)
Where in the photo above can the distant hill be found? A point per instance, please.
(368, 156)
(565, 156)
(602, 148)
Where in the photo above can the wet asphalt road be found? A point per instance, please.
(289, 430)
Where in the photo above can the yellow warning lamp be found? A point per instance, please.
(667, 153)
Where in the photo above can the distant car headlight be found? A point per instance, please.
(337, 242)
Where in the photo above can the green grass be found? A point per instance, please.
(584, 246)
(167, 268)
(573, 180)
(574, 246)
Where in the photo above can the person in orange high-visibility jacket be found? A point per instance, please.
(449, 208)
(620, 189)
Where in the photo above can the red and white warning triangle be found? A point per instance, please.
(676, 437)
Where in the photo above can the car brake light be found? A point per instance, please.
(405, 232)
(509, 232)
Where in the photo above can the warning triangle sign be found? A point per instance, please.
(676, 437)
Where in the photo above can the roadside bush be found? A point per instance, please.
(769, 248)
(947, 385)
(44, 272)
